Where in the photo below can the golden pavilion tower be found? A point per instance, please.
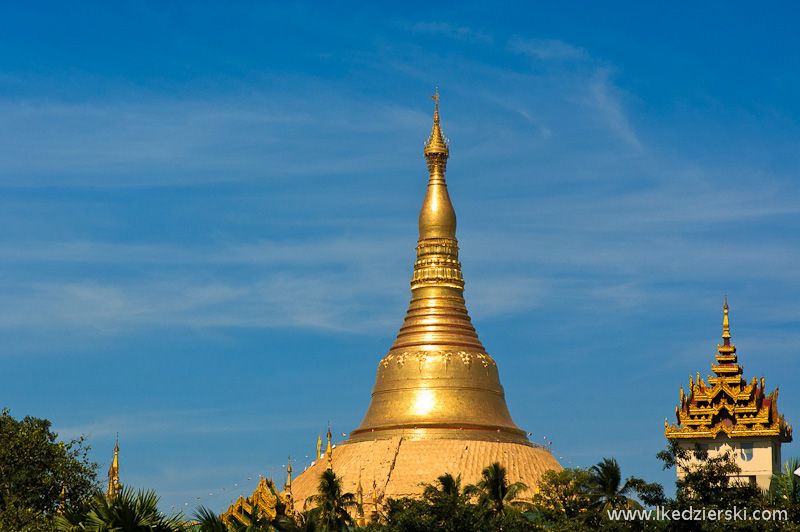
(437, 405)
(114, 485)
(725, 413)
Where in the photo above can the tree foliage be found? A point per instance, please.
(495, 494)
(705, 482)
(38, 474)
(330, 513)
(444, 506)
(128, 511)
(786, 485)
(607, 492)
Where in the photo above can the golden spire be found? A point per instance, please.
(287, 488)
(360, 521)
(375, 498)
(62, 497)
(437, 380)
(726, 329)
(319, 446)
(329, 450)
(114, 485)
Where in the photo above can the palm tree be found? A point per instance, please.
(330, 513)
(448, 485)
(208, 521)
(495, 494)
(606, 491)
(786, 486)
(128, 510)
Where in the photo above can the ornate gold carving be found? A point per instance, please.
(265, 498)
(728, 404)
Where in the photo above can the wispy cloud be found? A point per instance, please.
(546, 49)
(452, 31)
(156, 424)
(172, 141)
(606, 98)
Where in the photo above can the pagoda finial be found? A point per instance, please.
(360, 521)
(329, 450)
(287, 488)
(437, 143)
(375, 497)
(62, 499)
(114, 484)
(726, 329)
(437, 219)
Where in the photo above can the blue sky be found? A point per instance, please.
(209, 217)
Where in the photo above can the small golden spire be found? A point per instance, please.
(375, 497)
(319, 445)
(114, 485)
(437, 143)
(360, 521)
(329, 450)
(62, 497)
(726, 330)
(287, 488)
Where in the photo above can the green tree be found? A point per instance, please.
(704, 482)
(495, 494)
(786, 488)
(606, 490)
(127, 511)
(786, 491)
(39, 474)
(565, 495)
(448, 486)
(208, 521)
(330, 513)
(448, 506)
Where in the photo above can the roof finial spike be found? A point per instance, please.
(114, 485)
(726, 330)
(436, 109)
(329, 450)
(436, 149)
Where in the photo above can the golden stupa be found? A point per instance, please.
(437, 405)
